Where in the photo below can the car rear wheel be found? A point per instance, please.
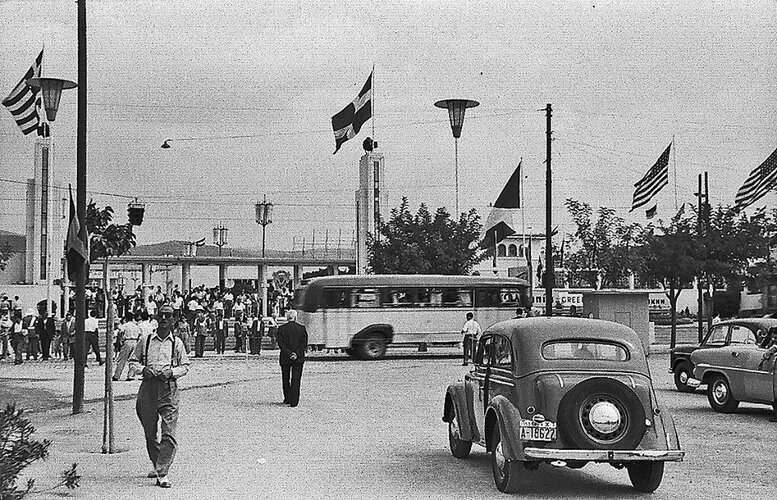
(719, 395)
(507, 473)
(460, 448)
(372, 348)
(601, 413)
(681, 375)
(646, 476)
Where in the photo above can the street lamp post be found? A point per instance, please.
(220, 236)
(264, 217)
(220, 239)
(52, 92)
(456, 109)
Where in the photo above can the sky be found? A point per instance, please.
(245, 92)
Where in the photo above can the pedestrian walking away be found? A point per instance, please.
(68, 333)
(130, 337)
(18, 338)
(92, 338)
(201, 326)
(292, 341)
(162, 360)
(6, 326)
(471, 331)
(30, 323)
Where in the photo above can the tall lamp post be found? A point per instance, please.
(220, 239)
(52, 92)
(456, 109)
(264, 217)
(220, 236)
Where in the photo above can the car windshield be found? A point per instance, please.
(584, 349)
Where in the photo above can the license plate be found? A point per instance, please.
(537, 431)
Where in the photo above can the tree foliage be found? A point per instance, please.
(602, 250)
(18, 450)
(426, 243)
(105, 237)
(5, 254)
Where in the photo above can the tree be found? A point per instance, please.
(668, 259)
(105, 237)
(601, 252)
(5, 254)
(426, 243)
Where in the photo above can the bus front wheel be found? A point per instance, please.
(372, 348)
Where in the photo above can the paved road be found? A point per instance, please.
(368, 430)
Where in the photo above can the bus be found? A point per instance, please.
(365, 314)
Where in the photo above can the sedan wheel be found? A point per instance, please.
(646, 476)
(681, 376)
(459, 447)
(720, 397)
(507, 473)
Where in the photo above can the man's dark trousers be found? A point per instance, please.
(159, 398)
(199, 346)
(93, 341)
(291, 376)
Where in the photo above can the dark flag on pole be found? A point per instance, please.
(75, 249)
(347, 123)
(651, 212)
(499, 223)
(655, 179)
(758, 183)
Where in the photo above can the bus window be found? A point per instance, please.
(397, 297)
(499, 297)
(336, 299)
(364, 297)
(423, 297)
(453, 297)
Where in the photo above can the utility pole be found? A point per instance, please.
(703, 196)
(549, 278)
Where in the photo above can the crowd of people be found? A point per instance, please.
(199, 314)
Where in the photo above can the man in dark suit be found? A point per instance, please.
(293, 341)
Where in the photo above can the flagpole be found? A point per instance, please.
(674, 161)
(520, 203)
(372, 101)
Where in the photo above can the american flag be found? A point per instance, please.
(760, 181)
(25, 103)
(347, 123)
(653, 181)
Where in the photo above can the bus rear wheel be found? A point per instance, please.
(371, 348)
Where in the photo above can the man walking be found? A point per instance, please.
(162, 360)
(471, 331)
(292, 341)
(68, 334)
(201, 327)
(30, 323)
(92, 338)
(222, 330)
(130, 337)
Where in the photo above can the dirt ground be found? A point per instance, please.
(362, 430)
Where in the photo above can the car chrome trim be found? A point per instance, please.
(604, 455)
(560, 380)
(692, 382)
(502, 382)
(730, 368)
(633, 384)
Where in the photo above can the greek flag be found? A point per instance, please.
(25, 103)
(347, 123)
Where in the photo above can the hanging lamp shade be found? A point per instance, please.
(456, 109)
(52, 91)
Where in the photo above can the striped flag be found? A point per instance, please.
(347, 123)
(760, 181)
(655, 179)
(25, 103)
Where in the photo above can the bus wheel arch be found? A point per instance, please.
(371, 342)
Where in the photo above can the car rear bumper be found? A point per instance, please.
(604, 455)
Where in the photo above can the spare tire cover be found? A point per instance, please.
(602, 414)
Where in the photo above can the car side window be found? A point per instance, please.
(503, 352)
(742, 335)
(483, 354)
(717, 336)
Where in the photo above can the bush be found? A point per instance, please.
(18, 450)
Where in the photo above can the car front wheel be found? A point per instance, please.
(507, 473)
(646, 476)
(719, 395)
(681, 375)
(460, 448)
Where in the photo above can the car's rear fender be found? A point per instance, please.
(456, 401)
(500, 412)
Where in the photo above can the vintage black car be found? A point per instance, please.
(561, 391)
(723, 334)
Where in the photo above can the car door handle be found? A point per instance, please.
(735, 354)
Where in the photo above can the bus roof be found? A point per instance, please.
(412, 280)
